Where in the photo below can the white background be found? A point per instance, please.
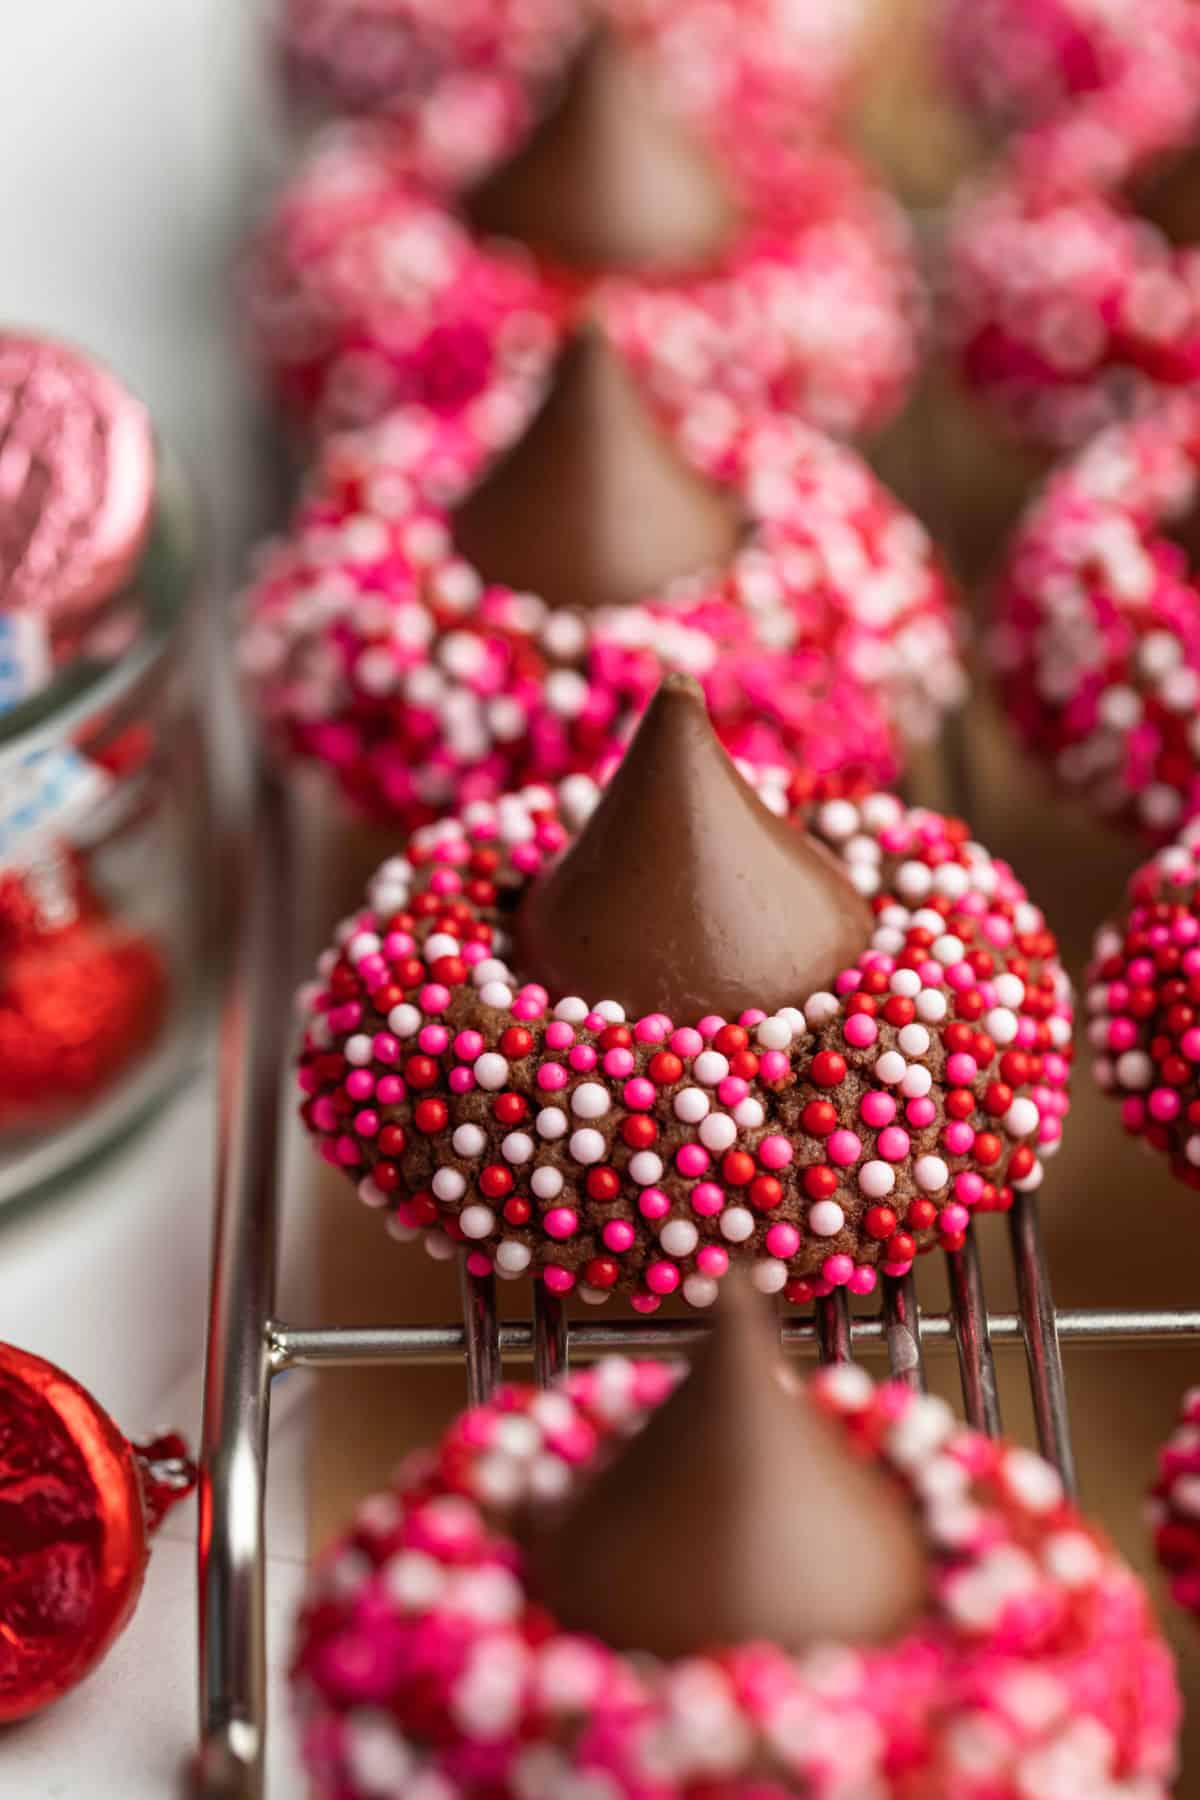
(134, 141)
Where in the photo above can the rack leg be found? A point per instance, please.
(1040, 1330)
(549, 1336)
(482, 1334)
(833, 1327)
(232, 1630)
(902, 1320)
(972, 1339)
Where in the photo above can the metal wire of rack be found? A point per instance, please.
(248, 1346)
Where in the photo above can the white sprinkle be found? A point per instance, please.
(826, 1219)
(737, 1224)
(679, 1237)
(718, 1132)
(691, 1105)
(588, 1146)
(491, 1071)
(513, 1258)
(769, 1275)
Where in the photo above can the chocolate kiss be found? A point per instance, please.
(683, 894)
(594, 507)
(737, 1515)
(608, 181)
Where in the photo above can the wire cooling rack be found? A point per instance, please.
(248, 1346)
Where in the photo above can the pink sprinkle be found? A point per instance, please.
(843, 1148)
(560, 1222)
(360, 1084)
(686, 1042)
(478, 1263)
(968, 1185)
(893, 1144)
(953, 1218)
(708, 1199)
(582, 1058)
(618, 1235)
(559, 1035)
(691, 1159)
(391, 1090)
(783, 1241)
(837, 1270)
(862, 1281)
(434, 1039)
(433, 997)
(961, 1069)
(774, 1066)
(559, 1281)
(1189, 1043)
(398, 944)
(366, 1123)
(958, 1137)
(653, 1203)
(618, 1063)
(347, 1152)
(1133, 1112)
(385, 1048)
(468, 1045)
(652, 1029)
(860, 1030)
(461, 1080)
(877, 1109)
(732, 1090)
(639, 1094)
(662, 1277)
(710, 1024)
(712, 1260)
(645, 1303)
(1164, 1104)
(775, 1152)
(552, 1076)
(523, 1007)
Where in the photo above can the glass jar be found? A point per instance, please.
(103, 822)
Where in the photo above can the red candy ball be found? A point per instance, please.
(74, 1529)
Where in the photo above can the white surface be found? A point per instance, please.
(131, 135)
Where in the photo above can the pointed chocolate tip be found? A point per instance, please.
(594, 506)
(738, 1515)
(684, 894)
(609, 180)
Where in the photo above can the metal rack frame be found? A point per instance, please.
(248, 1346)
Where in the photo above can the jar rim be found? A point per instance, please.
(86, 686)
